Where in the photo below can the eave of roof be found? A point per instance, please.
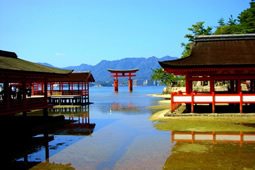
(123, 70)
(74, 77)
(13, 63)
(218, 51)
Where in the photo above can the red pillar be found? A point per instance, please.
(82, 84)
(211, 85)
(33, 89)
(188, 85)
(24, 94)
(116, 84)
(130, 84)
(45, 92)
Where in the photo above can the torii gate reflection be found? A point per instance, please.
(123, 73)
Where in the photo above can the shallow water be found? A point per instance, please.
(115, 133)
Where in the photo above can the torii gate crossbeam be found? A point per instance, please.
(123, 73)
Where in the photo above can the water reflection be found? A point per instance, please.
(196, 150)
(31, 140)
(81, 127)
(123, 107)
(195, 137)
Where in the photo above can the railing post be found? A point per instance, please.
(214, 137)
(213, 102)
(192, 102)
(193, 136)
(172, 136)
(241, 102)
(241, 138)
(172, 102)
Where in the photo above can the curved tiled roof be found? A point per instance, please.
(10, 61)
(218, 51)
(84, 76)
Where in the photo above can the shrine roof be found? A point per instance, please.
(10, 61)
(83, 76)
(214, 51)
(123, 70)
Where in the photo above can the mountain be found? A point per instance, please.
(101, 74)
(46, 64)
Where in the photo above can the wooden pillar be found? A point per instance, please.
(192, 102)
(232, 86)
(47, 153)
(239, 85)
(87, 83)
(78, 87)
(51, 88)
(33, 89)
(188, 84)
(172, 137)
(193, 137)
(252, 86)
(45, 92)
(82, 84)
(45, 110)
(130, 84)
(213, 102)
(211, 85)
(7, 94)
(188, 91)
(116, 84)
(62, 87)
(23, 90)
(241, 102)
(72, 88)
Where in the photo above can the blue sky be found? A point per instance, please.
(72, 32)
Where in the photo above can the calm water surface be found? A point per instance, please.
(115, 133)
(123, 137)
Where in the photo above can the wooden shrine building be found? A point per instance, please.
(26, 86)
(226, 63)
(123, 73)
(71, 89)
(16, 78)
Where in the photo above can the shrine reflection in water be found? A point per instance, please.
(211, 150)
(31, 140)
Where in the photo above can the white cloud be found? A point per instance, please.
(60, 54)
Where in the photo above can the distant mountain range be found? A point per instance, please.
(101, 74)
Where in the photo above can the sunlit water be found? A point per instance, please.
(124, 138)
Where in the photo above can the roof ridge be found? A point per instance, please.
(225, 37)
(8, 54)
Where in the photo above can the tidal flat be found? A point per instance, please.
(202, 124)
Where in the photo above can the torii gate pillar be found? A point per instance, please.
(116, 88)
(130, 84)
(123, 73)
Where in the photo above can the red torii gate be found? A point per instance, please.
(123, 73)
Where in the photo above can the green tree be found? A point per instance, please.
(164, 78)
(247, 19)
(196, 29)
(245, 23)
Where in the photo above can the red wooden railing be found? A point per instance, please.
(210, 98)
(22, 106)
